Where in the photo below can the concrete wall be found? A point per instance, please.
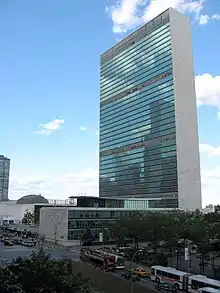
(54, 224)
(188, 160)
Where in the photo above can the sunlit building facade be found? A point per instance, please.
(148, 118)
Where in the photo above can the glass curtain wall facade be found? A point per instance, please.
(137, 116)
(97, 221)
(4, 177)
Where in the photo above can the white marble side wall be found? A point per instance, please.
(54, 223)
(188, 160)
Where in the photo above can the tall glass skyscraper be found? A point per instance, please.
(148, 119)
(4, 177)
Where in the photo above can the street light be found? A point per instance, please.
(132, 260)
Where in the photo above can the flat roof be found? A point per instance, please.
(114, 198)
(103, 209)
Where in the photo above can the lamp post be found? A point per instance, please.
(132, 260)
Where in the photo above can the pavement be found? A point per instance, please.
(8, 253)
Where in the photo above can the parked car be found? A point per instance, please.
(28, 243)
(129, 276)
(17, 241)
(166, 287)
(8, 243)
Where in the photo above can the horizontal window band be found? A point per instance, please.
(136, 81)
(136, 88)
(136, 36)
(138, 145)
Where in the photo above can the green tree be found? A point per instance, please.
(217, 208)
(87, 237)
(172, 232)
(106, 236)
(129, 227)
(28, 218)
(39, 273)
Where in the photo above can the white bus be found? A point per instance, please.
(177, 278)
(119, 260)
(196, 282)
(208, 290)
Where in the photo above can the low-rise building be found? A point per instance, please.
(7, 220)
(68, 224)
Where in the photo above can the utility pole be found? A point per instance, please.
(55, 236)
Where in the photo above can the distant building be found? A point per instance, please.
(32, 199)
(148, 119)
(66, 225)
(4, 177)
(208, 209)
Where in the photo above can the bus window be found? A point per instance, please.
(152, 271)
(202, 285)
(176, 278)
(170, 276)
(164, 274)
(194, 284)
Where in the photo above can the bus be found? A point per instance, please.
(208, 290)
(196, 282)
(178, 279)
(119, 260)
(102, 261)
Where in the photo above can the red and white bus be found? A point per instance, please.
(184, 281)
(177, 278)
(119, 260)
(197, 282)
(208, 290)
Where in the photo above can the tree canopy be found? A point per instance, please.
(169, 227)
(41, 274)
(28, 218)
(168, 233)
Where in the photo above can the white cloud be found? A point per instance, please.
(86, 182)
(128, 14)
(186, 6)
(97, 132)
(125, 14)
(83, 128)
(208, 89)
(204, 19)
(56, 187)
(210, 178)
(50, 127)
(210, 186)
(209, 150)
(216, 16)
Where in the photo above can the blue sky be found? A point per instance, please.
(49, 87)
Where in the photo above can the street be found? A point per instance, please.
(8, 253)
